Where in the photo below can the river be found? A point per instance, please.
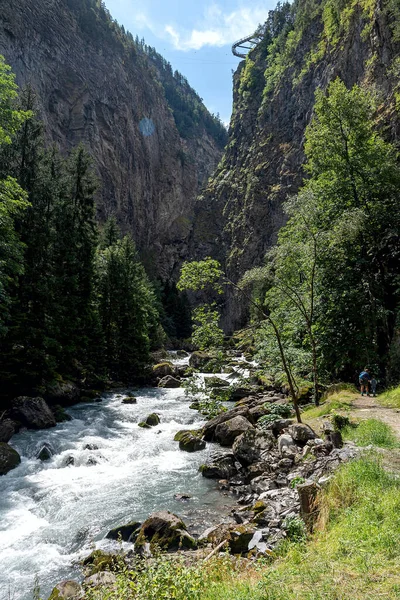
(52, 514)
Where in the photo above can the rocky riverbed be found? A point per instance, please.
(245, 479)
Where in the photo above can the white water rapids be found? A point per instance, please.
(52, 515)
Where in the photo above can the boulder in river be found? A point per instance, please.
(191, 443)
(65, 393)
(163, 369)
(214, 382)
(199, 359)
(67, 590)
(169, 382)
(228, 431)
(166, 530)
(7, 430)
(33, 413)
(151, 420)
(60, 415)
(45, 452)
(129, 400)
(127, 533)
(9, 458)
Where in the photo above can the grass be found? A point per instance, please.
(337, 401)
(371, 432)
(354, 554)
(390, 398)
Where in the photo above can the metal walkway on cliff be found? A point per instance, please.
(247, 43)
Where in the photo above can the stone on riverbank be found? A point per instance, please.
(228, 431)
(129, 400)
(252, 446)
(65, 393)
(191, 443)
(67, 590)
(9, 458)
(127, 533)
(166, 530)
(221, 466)
(33, 413)
(210, 427)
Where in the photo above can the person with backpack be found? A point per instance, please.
(364, 378)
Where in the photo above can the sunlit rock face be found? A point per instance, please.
(94, 88)
(240, 212)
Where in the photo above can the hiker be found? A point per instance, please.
(373, 384)
(364, 378)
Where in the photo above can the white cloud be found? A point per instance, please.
(218, 29)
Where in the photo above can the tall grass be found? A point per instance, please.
(390, 398)
(371, 432)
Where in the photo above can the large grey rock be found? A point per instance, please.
(9, 458)
(7, 430)
(219, 467)
(33, 413)
(286, 445)
(67, 590)
(228, 431)
(165, 530)
(169, 382)
(253, 445)
(210, 427)
(301, 433)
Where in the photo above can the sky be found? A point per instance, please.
(196, 38)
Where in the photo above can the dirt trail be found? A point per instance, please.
(366, 407)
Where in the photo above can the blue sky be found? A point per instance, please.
(196, 37)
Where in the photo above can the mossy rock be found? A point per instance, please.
(191, 442)
(59, 414)
(144, 425)
(67, 590)
(127, 533)
(129, 400)
(153, 419)
(259, 506)
(163, 369)
(215, 382)
(183, 432)
(99, 561)
(195, 406)
(199, 359)
(166, 531)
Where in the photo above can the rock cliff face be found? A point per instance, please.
(96, 85)
(304, 48)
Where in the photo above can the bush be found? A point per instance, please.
(277, 411)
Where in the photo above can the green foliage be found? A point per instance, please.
(206, 331)
(332, 279)
(340, 421)
(390, 398)
(56, 317)
(11, 117)
(371, 432)
(201, 275)
(295, 529)
(126, 307)
(276, 411)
